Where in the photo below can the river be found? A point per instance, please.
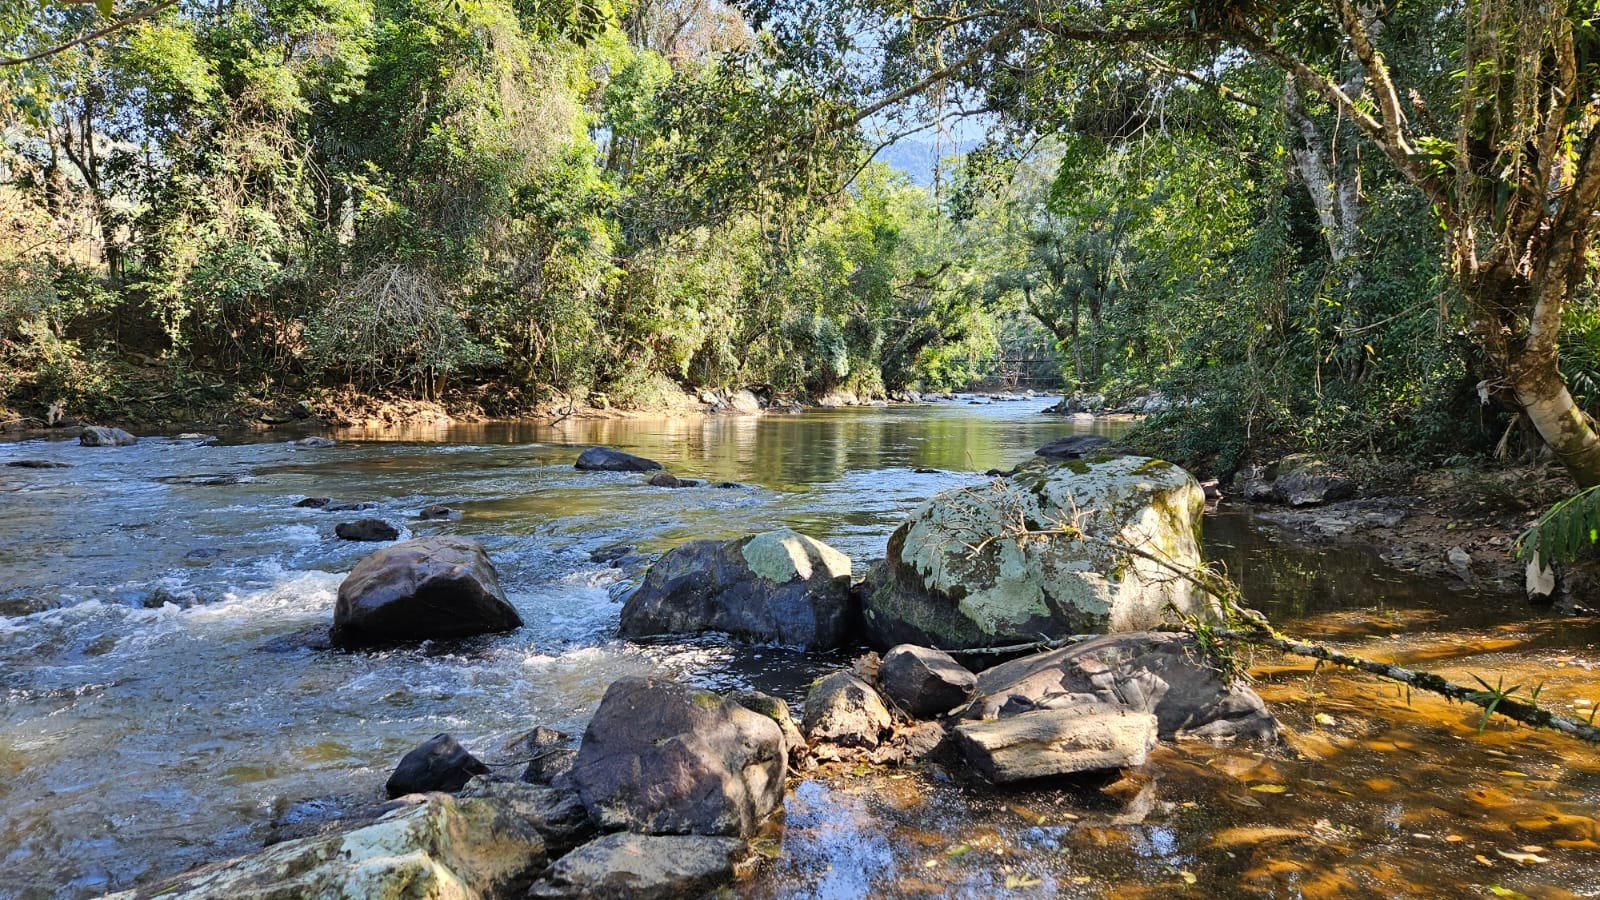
(164, 708)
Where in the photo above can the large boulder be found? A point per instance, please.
(658, 867)
(779, 586)
(1049, 742)
(664, 758)
(557, 814)
(438, 764)
(1162, 673)
(925, 682)
(842, 709)
(744, 403)
(990, 565)
(102, 436)
(438, 847)
(434, 587)
(605, 459)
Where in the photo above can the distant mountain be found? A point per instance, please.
(918, 158)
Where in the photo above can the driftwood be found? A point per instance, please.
(1498, 703)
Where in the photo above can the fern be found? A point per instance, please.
(1564, 532)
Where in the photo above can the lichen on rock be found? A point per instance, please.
(1082, 546)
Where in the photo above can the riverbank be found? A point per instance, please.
(1459, 523)
(153, 404)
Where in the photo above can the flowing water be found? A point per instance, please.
(165, 708)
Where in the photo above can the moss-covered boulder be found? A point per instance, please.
(437, 848)
(1082, 546)
(779, 586)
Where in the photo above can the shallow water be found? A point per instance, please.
(163, 711)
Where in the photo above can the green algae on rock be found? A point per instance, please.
(1004, 562)
(440, 848)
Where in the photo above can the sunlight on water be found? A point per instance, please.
(166, 703)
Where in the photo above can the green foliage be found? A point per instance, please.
(1566, 532)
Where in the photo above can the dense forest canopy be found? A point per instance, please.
(1329, 225)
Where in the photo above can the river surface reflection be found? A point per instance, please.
(162, 709)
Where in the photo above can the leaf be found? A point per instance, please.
(1023, 880)
(1519, 856)
(958, 851)
(1499, 891)
(1188, 877)
(105, 7)
(1269, 788)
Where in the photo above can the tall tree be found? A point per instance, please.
(1500, 130)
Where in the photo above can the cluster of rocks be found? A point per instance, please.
(1095, 705)
(670, 783)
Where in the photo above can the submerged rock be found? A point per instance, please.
(367, 530)
(435, 587)
(987, 565)
(642, 866)
(37, 464)
(1048, 742)
(439, 764)
(605, 459)
(313, 502)
(664, 758)
(102, 436)
(438, 513)
(669, 480)
(843, 710)
(925, 682)
(779, 586)
(437, 847)
(1162, 673)
(315, 442)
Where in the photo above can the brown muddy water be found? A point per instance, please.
(162, 711)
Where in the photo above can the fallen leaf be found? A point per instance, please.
(1516, 856)
(957, 852)
(1188, 877)
(1513, 773)
(1484, 859)
(1499, 891)
(1244, 800)
(1269, 788)
(1325, 719)
(1022, 881)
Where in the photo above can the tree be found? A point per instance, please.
(1500, 130)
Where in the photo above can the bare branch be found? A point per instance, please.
(118, 25)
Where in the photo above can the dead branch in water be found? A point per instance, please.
(1492, 700)
(1241, 624)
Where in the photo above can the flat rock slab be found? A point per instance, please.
(630, 865)
(605, 459)
(1049, 742)
(558, 815)
(1163, 673)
